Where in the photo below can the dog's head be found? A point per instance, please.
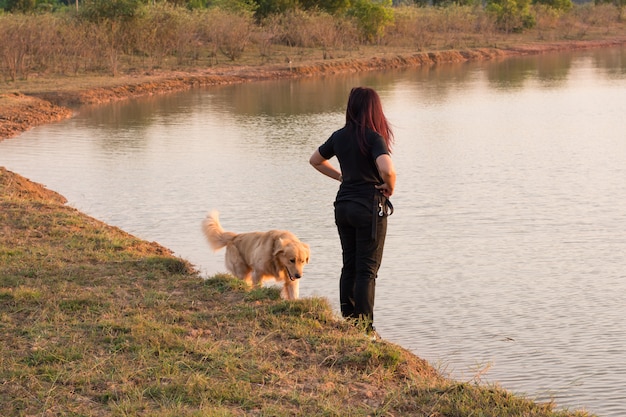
(292, 255)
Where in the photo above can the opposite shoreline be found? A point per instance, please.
(23, 110)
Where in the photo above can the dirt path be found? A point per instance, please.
(22, 111)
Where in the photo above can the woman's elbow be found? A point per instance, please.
(316, 159)
(388, 171)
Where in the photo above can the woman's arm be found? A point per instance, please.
(388, 174)
(322, 165)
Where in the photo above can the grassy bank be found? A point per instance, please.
(95, 322)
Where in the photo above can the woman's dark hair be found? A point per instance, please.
(365, 111)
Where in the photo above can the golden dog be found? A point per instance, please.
(258, 256)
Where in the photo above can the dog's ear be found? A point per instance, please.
(307, 250)
(278, 246)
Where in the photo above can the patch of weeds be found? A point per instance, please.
(10, 253)
(464, 399)
(21, 294)
(38, 358)
(6, 295)
(389, 356)
(154, 298)
(82, 305)
(245, 312)
(168, 264)
(373, 356)
(52, 356)
(113, 337)
(315, 308)
(222, 283)
(287, 308)
(194, 391)
(263, 293)
(10, 279)
(106, 397)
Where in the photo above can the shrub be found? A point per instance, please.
(79, 47)
(372, 17)
(22, 6)
(112, 21)
(620, 4)
(315, 29)
(563, 5)
(511, 15)
(226, 32)
(164, 30)
(22, 38)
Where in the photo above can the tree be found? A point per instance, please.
(112, 18)
(563, 5)
(269, 7)
(372, 16)
(446, 3)
(330, 6)
(511, 15)
(620, 4)
(98, 11)
(23, 6)
(246, 7)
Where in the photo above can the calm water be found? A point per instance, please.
(505, 257)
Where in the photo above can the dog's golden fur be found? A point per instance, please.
(259, 256)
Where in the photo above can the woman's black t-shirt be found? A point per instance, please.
(358, 170)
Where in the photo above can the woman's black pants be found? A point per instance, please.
(362, 245)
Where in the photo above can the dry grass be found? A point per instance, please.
(44, 51)
(94, 322)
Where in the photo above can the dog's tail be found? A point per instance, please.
(217, 237)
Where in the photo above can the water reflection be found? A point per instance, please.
(613, 62)
(515, 72)
(506, 248)
(284, 98)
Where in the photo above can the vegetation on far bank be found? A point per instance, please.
(95, 322)
(44, 38)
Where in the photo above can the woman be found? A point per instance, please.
(368, 179)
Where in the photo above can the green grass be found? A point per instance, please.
(94, 322)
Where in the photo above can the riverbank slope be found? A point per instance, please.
(95, 322)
